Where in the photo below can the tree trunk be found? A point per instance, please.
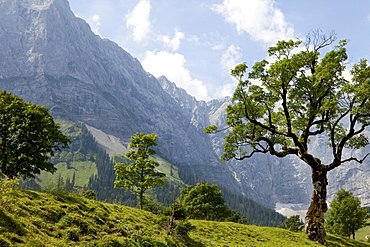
(318, 207)
(141, 200)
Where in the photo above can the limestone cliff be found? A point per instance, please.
(51, 57)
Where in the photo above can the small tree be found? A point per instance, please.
(141, 174)
(149, 204)
(345, 215)
(236, 217)
(279, 107)
(28, 137)
(204, 201)
(89, 194)
(293, 224)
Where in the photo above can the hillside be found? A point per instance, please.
(86, 165)
(31, 218)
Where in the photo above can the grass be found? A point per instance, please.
(63, 219)
(83, 171)
(363, 232)
(231, 234)
(30, 218)
(169, 169)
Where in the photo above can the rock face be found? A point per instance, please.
(50, 57)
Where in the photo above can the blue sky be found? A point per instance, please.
(195, 43)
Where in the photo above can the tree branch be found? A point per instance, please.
(355, 159)
(269, 149)
(319, 40)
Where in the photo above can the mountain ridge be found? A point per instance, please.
(84, 78)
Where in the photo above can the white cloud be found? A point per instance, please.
(218, 47)
(173, 43)
(193, 38)
(229, 60)
(172, 66)
(94, 22)
(347, 74)
(231, 57)
(259, 18)
(138, 20)
(227, 90)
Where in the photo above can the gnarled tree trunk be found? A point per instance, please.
(318, 207)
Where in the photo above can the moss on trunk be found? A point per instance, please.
(318, 207)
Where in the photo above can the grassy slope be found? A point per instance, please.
(60, 219)
(83, 169)
(29, 218)
(232, 235)
(363, 232)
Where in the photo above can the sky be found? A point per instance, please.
(195, 43)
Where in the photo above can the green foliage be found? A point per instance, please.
(210, 129)
(140, 175)
(278, 107)
(346, 215)
(299, 95)
(149, 204)
(256, 213)
(103, 182)
(78, 163)
(28, 137)
(236, 217)
(6, 188)
(84, 166)
(293, 224)
(92, 169)
(204, 201)
(182, 228)
(89, 194)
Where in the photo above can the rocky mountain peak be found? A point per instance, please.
(52, 58)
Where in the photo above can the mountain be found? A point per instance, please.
(51, 57)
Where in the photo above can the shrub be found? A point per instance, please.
(6, 187)
(90, 194)
(73, 234)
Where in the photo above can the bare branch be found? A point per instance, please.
(318, 39)
(355, 159)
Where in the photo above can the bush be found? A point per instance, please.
(73, 234)
(6, 187)
(293, 224)
(182, 228)
(90, 194)
(4, 243)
